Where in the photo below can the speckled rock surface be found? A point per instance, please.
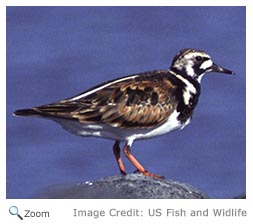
(132, 186)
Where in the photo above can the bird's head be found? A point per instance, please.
(196, 63)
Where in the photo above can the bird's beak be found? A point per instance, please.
(217, 68)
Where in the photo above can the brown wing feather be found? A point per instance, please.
(139, 102)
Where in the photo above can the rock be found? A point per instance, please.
(241, 196)
(134, 186)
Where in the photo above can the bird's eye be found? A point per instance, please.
(198, 58)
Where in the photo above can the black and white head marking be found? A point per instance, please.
(193, 63)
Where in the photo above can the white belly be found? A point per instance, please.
(120, 134)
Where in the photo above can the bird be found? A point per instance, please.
(134, 107)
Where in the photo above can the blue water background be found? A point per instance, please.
(56, 52)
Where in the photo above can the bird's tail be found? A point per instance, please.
(26, 112)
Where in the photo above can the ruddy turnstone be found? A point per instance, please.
(134, 107)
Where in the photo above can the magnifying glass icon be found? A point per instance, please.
(13, 210)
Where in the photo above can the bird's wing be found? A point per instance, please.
(138, 101)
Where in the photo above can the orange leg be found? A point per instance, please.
(140, 168)
(116, 151)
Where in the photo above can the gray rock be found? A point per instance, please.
(132, 186)
(241, 196)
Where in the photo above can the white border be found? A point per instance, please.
(63, 213)
(249, 107)
(3, 101)
(125, 3)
